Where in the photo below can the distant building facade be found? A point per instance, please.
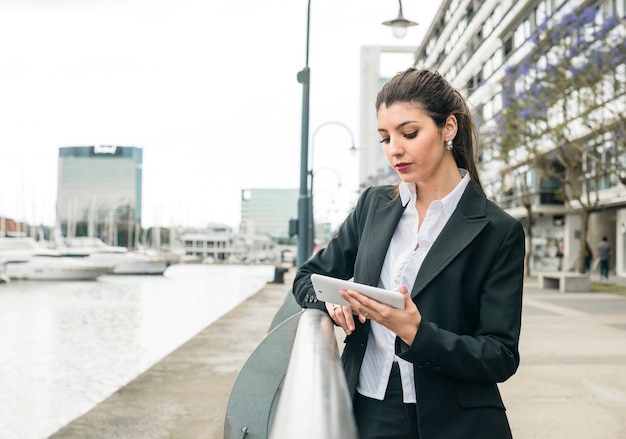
(473, 43)
(266, 212)
(217, 243)
(99, 192)
(264, 228)
(373, 166)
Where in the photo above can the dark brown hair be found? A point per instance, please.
(436, 97)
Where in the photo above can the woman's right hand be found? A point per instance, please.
(342, 316)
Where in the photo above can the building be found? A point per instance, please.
(266, 212)
(373, 166)
(473, 44)
(215, 244)
(100, 193)
(264, 228)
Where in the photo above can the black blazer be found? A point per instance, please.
(469, 292)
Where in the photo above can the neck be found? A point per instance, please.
(428, 191)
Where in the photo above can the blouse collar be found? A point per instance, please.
(408, 191)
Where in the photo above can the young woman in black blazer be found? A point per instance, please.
(430, 370)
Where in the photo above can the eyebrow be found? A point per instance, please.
(400, 125)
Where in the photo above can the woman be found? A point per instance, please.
(428, 370)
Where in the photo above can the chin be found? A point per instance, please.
(407, 178)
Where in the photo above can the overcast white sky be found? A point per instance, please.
(207, 89)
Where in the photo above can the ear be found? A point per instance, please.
(450, 128)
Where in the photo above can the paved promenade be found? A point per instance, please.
(571, 382)
(572, 378)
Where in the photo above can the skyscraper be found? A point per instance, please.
(267, 212)
(99, 192)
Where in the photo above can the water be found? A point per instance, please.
(66, 346)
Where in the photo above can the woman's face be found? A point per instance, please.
(413, 144)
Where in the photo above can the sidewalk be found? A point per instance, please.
(572, 378)
(571, 382)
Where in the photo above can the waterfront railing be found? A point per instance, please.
(292, 385)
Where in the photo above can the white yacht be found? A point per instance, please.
(25, 258)
(21, 249)
(121, 259)
(54, 267)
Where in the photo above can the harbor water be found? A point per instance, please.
(66, 346)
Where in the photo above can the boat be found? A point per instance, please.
(21, 248)
(54, 267)
(121, 259)
(25, 258)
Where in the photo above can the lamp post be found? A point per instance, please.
(304, 199)
(304, 77)
(323, 230)
(399, 25)
(311, 225)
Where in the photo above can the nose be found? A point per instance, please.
(395, 146)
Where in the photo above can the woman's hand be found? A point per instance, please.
(402, 322)
(341, 315)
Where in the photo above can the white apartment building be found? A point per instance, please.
(472, 43)
(216, 243)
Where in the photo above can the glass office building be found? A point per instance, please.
(99, 193)
(266, 212)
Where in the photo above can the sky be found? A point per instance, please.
(207, 89)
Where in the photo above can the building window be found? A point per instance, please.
(470, 84)
(522, 33)
(507, 46)
(543, 12)
(492, 21)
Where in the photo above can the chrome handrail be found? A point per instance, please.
(314, 401)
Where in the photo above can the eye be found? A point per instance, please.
(412, 135)
(384, 140)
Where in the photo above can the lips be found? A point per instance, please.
(401, 167)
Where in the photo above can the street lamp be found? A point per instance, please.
(323, 229)
(304, 77)
(311, 238)
(304, 202)
(352, 149)
(399, 25)
(334, 122)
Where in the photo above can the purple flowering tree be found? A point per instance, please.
(564, 109)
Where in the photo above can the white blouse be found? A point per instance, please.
(407, 250)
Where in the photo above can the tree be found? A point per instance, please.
(564, 109)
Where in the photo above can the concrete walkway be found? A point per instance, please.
(572, 378)
(571, 383)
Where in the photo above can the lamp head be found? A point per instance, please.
(399, 25)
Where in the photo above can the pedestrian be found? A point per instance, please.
(588, 257)
(604, 253)
(429, 370)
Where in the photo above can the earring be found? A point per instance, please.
(449, 145)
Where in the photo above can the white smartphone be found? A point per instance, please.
(327, 289)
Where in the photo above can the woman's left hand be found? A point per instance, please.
(403, 322)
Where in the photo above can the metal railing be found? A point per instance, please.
(293, 385)
(315, 401)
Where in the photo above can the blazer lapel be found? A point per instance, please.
(386, 213)
(467, 221)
